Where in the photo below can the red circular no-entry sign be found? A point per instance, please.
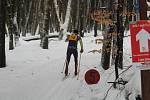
(92, 76)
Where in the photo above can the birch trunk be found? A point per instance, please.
(64, 26)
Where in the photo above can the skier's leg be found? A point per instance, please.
(75, 54)
(67, 61)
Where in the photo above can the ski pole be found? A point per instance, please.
(79, 67)
(64, 66)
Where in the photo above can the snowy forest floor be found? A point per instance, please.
(33, 73)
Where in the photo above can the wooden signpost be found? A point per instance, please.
(145, 83)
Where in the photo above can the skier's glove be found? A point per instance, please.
(81, 51)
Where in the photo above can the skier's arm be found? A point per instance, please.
(67, 38)
(81, 45)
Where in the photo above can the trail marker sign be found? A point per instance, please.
(92, 76)
(140, 41)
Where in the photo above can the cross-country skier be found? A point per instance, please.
(73, 39)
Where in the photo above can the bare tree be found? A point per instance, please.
(2, 33)
(143, 10)
(65, 17)
(107, 34)
(120, 35)
(45, 30)
(12, 22)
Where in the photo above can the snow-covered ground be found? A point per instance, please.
(33, 73)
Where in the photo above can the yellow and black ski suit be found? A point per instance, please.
(72, 49)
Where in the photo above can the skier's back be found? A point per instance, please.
(73, 39)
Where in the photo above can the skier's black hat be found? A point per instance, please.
(75, 31)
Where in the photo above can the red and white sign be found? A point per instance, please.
(140, 41)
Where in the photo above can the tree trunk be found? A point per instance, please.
(12, 23)
(40, 18)
(120, 34)
(10, 16)
(95, 29)
(143, 10)
(61, 34)
(2, 33)
(16, 31)
(23, 17)
(27, 20)
(77, 16)
(106, 49)
(46, 19)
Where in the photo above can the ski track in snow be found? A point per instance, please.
(60, 90)
(44, 72)
(75, 88)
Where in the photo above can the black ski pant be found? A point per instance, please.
(75, 54)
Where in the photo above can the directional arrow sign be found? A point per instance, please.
(140, 41)
(143, 36)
